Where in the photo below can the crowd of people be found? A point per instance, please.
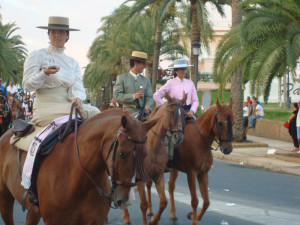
(11, 93)
(252, 110)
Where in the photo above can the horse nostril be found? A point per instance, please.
(119, 203)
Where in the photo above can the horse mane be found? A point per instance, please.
(155, 111)
(111, 112)
(212, 109)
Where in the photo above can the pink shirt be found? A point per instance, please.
(175, 88)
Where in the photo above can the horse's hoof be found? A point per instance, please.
(106, 221)
(127, 223)
(174, 221)
(150, 215)
(189, 216)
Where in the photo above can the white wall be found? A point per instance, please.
(294, 88)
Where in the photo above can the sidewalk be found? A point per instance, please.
(258, 157)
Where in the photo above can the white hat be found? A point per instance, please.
(180, 63)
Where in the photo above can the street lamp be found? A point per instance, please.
(196, 51)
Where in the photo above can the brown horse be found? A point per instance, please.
(15, 108)
(72, 183)
(171, 118)
(194, 157)
(4, 115)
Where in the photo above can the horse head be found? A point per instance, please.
(127, 154)
(223, 122)
(176, 119)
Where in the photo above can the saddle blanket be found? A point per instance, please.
(34, 146)
(25, 142)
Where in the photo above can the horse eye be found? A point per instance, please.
(122, 155)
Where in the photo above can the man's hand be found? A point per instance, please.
(138, 94)
(147, 109)
(51, 70)
(190, 114)
(77, 102)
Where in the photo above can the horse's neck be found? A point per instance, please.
(158, 134)
(205, 125)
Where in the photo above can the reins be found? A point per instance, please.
(113, 148)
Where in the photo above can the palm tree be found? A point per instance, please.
(267, 42)
(118, 39)
(236, 82)
(198, 23)
(12, 53)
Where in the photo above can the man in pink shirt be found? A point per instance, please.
(177, 86)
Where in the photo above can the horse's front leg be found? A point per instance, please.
(172, 180)
(126, 217)
(194, 199)
(143, 201)
(150, 210)
(160, 187)
(203, 185)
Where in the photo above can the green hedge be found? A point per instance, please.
(215, 95)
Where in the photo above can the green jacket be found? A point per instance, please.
(125, 88)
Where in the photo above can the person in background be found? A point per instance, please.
(298, 123)
(3, 88)
(257, 114)
(88, 102)
(178, 86)
(134, 90)
(293, 126)
(246, 114)
(249, 103)
(11, 89)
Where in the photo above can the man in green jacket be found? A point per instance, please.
(133, 89)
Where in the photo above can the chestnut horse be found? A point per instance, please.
(72, 182)
(15, 107)
(194, 157)
(171, 118)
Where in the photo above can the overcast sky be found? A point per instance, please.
(84, 15)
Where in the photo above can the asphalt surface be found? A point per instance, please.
(239, 194)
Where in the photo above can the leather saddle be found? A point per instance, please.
(21, 128)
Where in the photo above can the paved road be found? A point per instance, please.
(239, 195)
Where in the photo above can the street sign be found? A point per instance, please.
(206, 99)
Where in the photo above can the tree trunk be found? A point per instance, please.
(279, 92)
(285, 97)
(236, 84)
(156, 54)
(195, 37)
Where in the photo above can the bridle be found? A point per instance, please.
(170, 130)
(229, 130)
(113, 148)
(138, 156)
(219, 139)
(179, 108)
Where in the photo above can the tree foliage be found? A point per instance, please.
(268, 42)
(12, 52)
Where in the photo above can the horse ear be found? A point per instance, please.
(182, 101)
(124, 122)
(151, 123)
(219, 107)
(230, 103)
(168, 98)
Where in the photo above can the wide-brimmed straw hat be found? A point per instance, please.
(180, 63)
(58, 23)
(139, 56)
